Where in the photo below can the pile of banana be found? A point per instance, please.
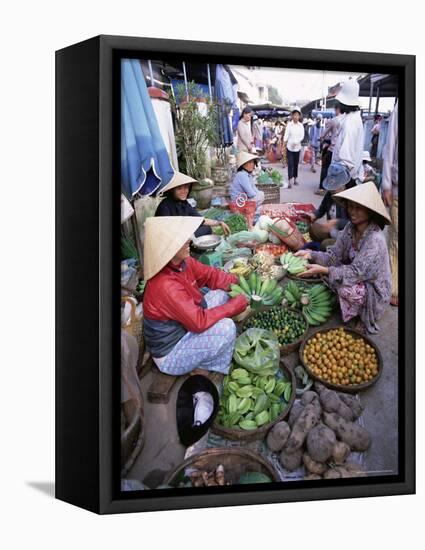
(267, 292)
(241, 267)
(293, 264)
(315, 301)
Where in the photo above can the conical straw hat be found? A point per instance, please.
(164, 236)
(367, 195)
(177, 180)
(245, 157)
(349, 93)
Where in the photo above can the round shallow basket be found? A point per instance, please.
(238, 434)
(271, 192)
(235, 462)
(354, 388)
(289, 348)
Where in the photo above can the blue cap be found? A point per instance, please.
(338, 175)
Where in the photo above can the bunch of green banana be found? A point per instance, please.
(249, 400)
(293, 264)
(268, 291)
(315, 301)
(241, 268)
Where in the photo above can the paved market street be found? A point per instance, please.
(162, 450)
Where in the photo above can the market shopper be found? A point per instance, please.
(175, 203)
(244, 131)
(294, 135)
(389, 187)
(315, 135)
(348, 151)
(328, 140)
(244, 183)
(357, 266)
(376, 130)
(183, 328)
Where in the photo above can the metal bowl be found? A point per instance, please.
(206, 242)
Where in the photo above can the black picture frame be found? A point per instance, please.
(87, 283)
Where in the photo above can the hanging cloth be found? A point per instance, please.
(224, 94)
(145, 165)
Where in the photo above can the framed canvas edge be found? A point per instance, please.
(108, 501)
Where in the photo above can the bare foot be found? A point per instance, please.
(394, 301)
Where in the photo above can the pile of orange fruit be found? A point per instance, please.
(341, 358)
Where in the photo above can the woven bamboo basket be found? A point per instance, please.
(235, 461)
(238, 434)
(271, 192)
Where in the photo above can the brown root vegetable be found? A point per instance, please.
(320, 443)
(308, 397)
(340, 452)
(291, 461)
(356, 437)
(306, 420)
(355, 469)
(312, 466)
(331, 402)
(312, 476)
(278, 436)
(296, 410)
(332, 473)
(352, 402)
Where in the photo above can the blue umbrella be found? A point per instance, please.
(145, 165)
(225, 95)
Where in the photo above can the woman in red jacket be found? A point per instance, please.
(184, 329)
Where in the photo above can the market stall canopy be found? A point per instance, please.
(384, 85)
(145, 165)
(269, 110)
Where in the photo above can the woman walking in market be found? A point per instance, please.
(175, 203)
(183, 328)
(347, 155)
(294, 134)
(244, 131)
(328, 139)
(357, 266)
(315, 135)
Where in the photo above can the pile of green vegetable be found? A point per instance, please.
(249, 400)
(315, 301)
(264, 179)
(236, 223)
(256, 290)
(276, 177)
(286, 324)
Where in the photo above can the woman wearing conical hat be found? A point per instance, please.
(244, 182)
(357, 266)
(183, 329)
(175, 203)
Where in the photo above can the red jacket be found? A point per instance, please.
(174, 295)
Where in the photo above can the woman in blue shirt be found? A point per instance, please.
(244, 182)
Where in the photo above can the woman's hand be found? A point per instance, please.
(303, 254)
(225, 228)
(312, 216)
(314, 269)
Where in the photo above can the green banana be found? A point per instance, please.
(244, 285)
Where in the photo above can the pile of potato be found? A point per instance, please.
(321, 434)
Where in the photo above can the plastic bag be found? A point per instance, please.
(257, 350)
(244, 238)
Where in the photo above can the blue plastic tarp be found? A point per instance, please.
(145, 165)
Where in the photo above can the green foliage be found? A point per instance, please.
(274, 95)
